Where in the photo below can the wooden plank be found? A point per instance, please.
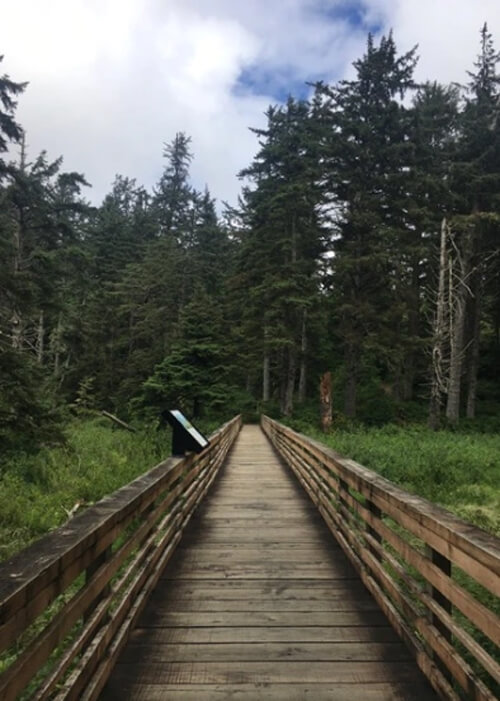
(259, 597)
(257, 570)
(304, 605)
(262, 652)
(239, 619)
(261, 634)
(30, 581)
(361, 673)
(481, 546)
(369, 549)
(400, 691)
(274, 590)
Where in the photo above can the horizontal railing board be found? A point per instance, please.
(32, 580)
(422, 617)
(451, 530)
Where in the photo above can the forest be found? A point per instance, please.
(365, 243)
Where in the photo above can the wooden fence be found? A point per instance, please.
(69, 601)
(435, 576)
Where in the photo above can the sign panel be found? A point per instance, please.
(185, 436)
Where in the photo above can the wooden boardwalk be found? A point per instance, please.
(260, 603)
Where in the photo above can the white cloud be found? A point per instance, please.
(111, 80)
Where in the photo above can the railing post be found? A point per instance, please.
(89, 573)
(343, 489)
(376, 513)
(444, 564)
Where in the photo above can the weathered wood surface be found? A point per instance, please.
(422, 564)
(259, 602)
(69, 601)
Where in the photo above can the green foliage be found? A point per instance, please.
(326, 264)
(9, 128)
(194, 375)
(37, 491)
(460, 471)
(29, 414)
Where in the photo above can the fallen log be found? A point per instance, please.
(118, 421)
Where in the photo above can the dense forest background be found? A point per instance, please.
(365, 243)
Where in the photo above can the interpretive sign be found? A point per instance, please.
(185, 437)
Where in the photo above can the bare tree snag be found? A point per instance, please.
(440, 331)
(40, 338)
(459, 271)
(325, 398)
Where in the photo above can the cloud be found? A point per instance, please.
(111, 81)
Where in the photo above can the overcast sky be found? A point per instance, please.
(112, 80)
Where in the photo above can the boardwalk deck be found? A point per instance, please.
(260, 603)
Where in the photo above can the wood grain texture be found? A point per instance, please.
(259, 602)
(379, 526)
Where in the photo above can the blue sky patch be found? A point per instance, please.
(351, 11)
(278, 84)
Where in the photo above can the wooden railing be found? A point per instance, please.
(435, 576)
(69, 601)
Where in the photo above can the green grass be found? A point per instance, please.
(36, 491)
(460, 471)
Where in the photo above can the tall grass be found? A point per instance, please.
(460, 471)
(37, 491)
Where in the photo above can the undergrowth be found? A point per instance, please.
(460, 471)
(37, 491)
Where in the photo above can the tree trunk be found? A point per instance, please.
(325, 398)
(290, 383)
(474, 349)
(351, 365)
(265, 370)
(303, 351)
(408, 377)
(439, 337)
(56, 346)
(40, 336)
(16, 330)
(458, 303)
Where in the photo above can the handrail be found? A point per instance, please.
(422, 564)
(69, 601)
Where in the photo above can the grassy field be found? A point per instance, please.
(460, 471)
(37, 491)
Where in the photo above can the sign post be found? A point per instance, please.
(185, 437)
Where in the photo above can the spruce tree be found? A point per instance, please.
(476, 182)
(281, 245)
(367, 154)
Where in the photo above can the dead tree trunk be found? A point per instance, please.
(325, 399)
(40, 338)
(458, 292)
(438, 382)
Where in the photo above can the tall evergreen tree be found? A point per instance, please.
(282, 245)
(368, 153)
(476, 182)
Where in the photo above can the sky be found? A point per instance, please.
(112, 81)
